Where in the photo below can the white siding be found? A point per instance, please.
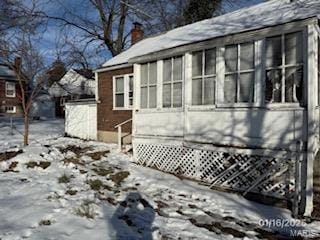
(276, 129)
(168, 124)
(81, 120)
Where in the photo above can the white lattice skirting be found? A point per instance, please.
(246, 173)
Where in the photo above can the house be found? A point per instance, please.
(233, 102)
(75, 84)
(43, 106)
(115, 97)
(10, 93)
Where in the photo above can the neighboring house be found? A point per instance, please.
(10, 94)
(43, 106)
(231, 101)
(115, 97)
(74, 85)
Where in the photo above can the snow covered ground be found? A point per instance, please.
(63, 188)
(40, 130)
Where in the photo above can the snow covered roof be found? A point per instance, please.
(7, 72)
(87, 73)
(73, 83)
(259, 16)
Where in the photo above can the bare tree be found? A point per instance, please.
(107, 24)
(29, 73)
(108, 27)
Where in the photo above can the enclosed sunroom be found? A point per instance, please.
(233, 101)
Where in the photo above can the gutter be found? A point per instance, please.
(113, 67)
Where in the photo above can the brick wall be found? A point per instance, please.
(10, 101)
(107, 117)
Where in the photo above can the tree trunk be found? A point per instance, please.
(26, 130)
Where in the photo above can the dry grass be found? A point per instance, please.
(12, 166)
(41, 164)
(98, 155)
(95, 184)
(64, 179)
(118, 177)
(103, 171)
(71, 192)
(75, 149)
(44, 223)
(85, 210)
(8, 155)
(74, 160)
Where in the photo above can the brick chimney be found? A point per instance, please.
(136, 33)
(17, 63)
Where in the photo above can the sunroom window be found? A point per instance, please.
(149, 85)
(239, 73)
(203, 77)
(130, 91)
(284, 68)
(172, 82)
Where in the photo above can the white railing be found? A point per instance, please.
(120, 137)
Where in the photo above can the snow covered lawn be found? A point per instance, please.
(39, 131)
(63, 188)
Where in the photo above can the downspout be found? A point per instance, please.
(96, 87)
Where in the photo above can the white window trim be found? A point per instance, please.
(14, 109)
(283, 67)
(14, 89)
(204, 76)
(126, 89)
(172, 82)
(317, 55)
(158, 86)
(259, 80)
(238, 73)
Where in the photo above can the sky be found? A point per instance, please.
(48, 40)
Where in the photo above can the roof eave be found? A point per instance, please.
(154, 55)
(112, 67)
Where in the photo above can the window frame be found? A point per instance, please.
(203, 76)
(238, 71)
(14, 109)
(283, 68)
(7, 89)
(172, 82)
(126, 90)
(318, 68)
(259, 71)
(131, 76)
(148, 85)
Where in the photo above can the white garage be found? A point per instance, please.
(81, 119)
